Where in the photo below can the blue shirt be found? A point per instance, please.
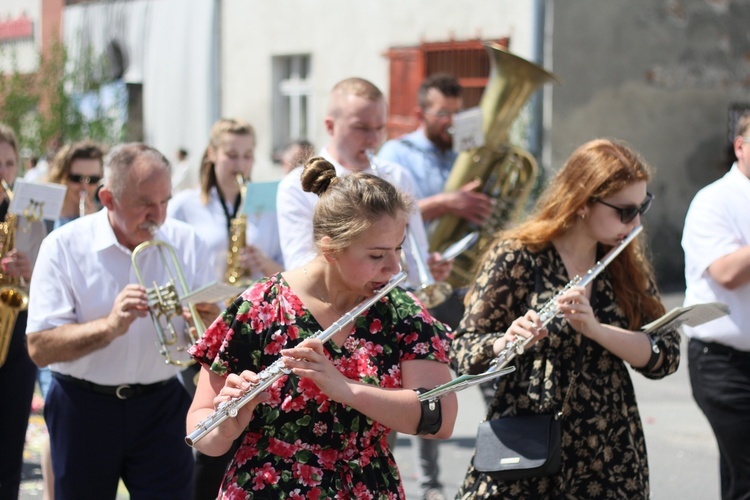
(428, 166)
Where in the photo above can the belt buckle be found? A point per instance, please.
(120, 389)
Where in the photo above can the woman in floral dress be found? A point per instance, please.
(594, 201)
(320, 432)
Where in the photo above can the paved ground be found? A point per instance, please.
(682, 451)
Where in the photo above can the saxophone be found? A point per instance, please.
(13, 298)
(235, 274)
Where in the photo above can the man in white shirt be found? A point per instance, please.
(114, 409)
(356, 123)
(716, 240)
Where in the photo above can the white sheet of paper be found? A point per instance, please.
(694, 315)
(467, 130)
(213, 292)
(38, 198)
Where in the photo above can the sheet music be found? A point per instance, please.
(37, 199)
(694, 315)
(467, 130)
(260, 198)
(213, 292)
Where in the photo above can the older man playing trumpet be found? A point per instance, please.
(115, 409)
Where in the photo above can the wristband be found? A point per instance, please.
(431, 418)
(655, 353)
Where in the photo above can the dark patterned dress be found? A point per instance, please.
(301, 444)
(603, 446)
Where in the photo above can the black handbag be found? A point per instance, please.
(523, 446)
(519, 447)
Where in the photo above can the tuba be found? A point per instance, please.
(235, 274)
(13, 298)
(165, 303)
(508, 173)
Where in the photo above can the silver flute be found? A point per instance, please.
(267, 377)
(551, 309)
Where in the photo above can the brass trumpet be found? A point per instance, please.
(13, 298)
(165, 302)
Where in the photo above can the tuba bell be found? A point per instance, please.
(165, 303)
(507, 172)
(13, 298)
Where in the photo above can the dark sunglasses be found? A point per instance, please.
(88, 179)
(627, 214)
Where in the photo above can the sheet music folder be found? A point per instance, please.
(694, 315)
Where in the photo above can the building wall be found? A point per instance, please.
(345, 38)
(21, 53)
(661, 76)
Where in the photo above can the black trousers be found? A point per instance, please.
(720, 379)
(17, 378)
(97, 439)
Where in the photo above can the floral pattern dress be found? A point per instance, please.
(603, 445)
(301, 444)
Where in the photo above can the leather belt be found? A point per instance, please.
(721, 348)
(122, 391)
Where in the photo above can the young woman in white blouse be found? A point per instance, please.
(210, 208)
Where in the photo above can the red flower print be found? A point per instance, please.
(281, 449)
(314, 494)
(410, 338)
(264, 475)
(307, 474)
(361, 492)
(235, 492)
(278, 339)
(320, 429)
(327, 458)
(293, 404)
(375, 326)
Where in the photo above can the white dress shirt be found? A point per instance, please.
(717, 224)
(82, 268)
(210, 222)
(295, 209)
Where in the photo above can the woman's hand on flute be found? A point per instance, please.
(234, 388)
(527, 326)
(310, 361)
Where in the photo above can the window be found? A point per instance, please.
(291, 99)
(466, 60)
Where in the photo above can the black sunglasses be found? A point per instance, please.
(627, 214)
(88, 179)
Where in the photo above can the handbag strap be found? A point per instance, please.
(573, 377)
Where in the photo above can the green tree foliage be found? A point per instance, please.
(45, 108)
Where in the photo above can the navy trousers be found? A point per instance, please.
(98, 439)
(720, 378)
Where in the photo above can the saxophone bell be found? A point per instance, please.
(13, 298)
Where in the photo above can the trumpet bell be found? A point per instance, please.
(174, 337)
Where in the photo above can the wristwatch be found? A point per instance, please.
(655, 352)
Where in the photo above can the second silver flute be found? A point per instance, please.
(267, 377)
(499, 365)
